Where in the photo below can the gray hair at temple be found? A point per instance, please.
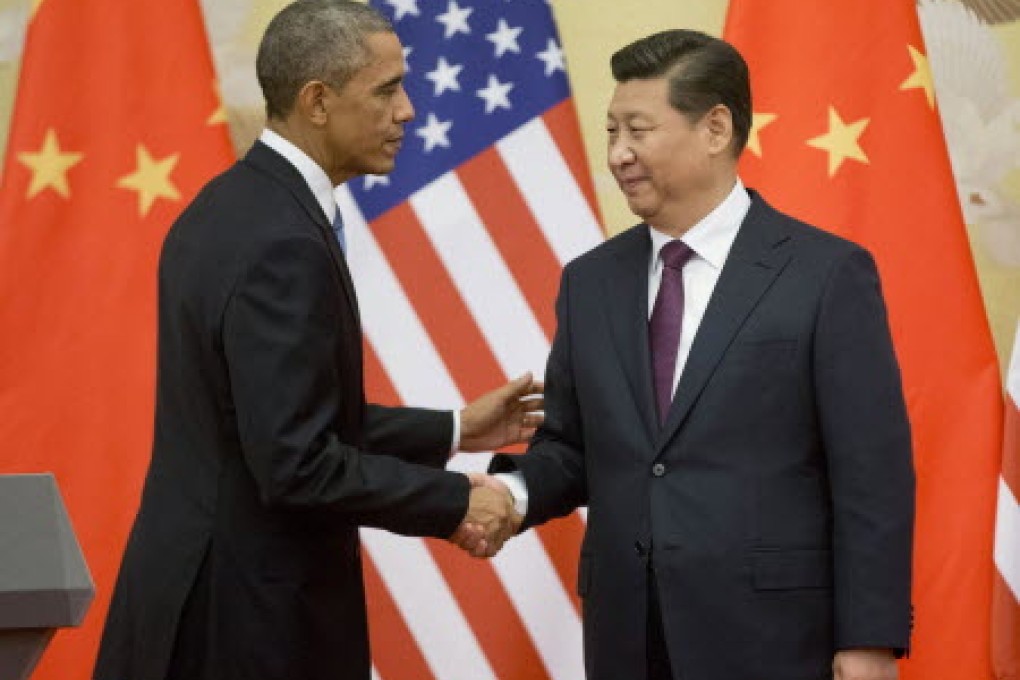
(703, 72)
(313, 40)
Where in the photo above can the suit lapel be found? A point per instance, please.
(626, 291)
(265, 159)
(759, 254)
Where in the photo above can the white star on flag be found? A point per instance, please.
(504, 38)
(495, 94)
(402, 8)
(455, 19)
(434, 133)
(407, 53)
(373, 180)
(444, 76)
(552, 56)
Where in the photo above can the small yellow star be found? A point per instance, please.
(151, 179)
(219, 116)
(841, 141)
(921, 78)
(758, 123)
(49, 166)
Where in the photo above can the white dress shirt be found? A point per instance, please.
(322, 188)
(710, 240)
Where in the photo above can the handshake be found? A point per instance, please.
(490, 520)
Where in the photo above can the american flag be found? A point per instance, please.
(456, 256)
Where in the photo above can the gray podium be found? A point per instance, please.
(44, 583)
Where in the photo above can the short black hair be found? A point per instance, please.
(313, 40)
(703, 72)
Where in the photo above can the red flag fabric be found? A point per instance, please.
(846, 136)
(1006, 589)
(116, 125)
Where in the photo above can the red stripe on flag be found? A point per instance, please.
(1011, 450)
(474, 584)
(494, 620)
(1005, 631)
(561, 121)
(513, 228)
(433, 294)
(395, 651)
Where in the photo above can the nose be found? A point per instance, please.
(404, 110)
(620, 153)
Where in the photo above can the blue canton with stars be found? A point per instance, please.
(477, 70)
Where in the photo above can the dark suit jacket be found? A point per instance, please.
(260, 474)
(776, 504)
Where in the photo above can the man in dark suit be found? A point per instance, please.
(243, 563)
(722, 393)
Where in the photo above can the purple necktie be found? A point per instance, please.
(665, 323)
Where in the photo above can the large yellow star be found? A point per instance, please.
(151, 179)
(921, 78)
(758, 123)
(842, 141)
(49, 166)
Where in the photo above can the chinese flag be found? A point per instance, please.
(116, 126)
(847, 136)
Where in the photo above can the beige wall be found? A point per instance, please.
(591, 30)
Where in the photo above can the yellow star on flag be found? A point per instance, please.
(219, 116)
(151, 179)
(758, 123)
(49, 166)
(921, 78)
(842, 141)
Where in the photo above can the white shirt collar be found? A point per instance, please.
(712, 237)
(315, 177)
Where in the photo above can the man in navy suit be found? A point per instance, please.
(722, 393)
(244, 561)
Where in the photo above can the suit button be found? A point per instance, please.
(658, 469)
(640, 548)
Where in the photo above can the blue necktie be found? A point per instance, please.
(338, 229)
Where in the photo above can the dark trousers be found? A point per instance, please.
(658, 652)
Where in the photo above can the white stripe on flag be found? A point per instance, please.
(559, 206)
(427, 605)
(390, 322)
(1007, 538)
(537, 594)
(481, 276)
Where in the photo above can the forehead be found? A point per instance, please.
(648, 97)
(384, 58)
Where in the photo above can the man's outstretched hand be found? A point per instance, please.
(507, 415)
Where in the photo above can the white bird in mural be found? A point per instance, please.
(979, 116)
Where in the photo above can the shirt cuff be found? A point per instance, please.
(518, 489)
(455, 444)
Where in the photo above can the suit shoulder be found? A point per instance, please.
(819, 242)
(626, 242)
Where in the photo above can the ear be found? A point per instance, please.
(311, 102)
(719, 128)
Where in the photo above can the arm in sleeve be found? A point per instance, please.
(866, 438)
(554, 465)
(416, 435)
(283, 338)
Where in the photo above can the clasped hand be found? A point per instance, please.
(490, 519)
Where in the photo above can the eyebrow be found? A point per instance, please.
(395, 80)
